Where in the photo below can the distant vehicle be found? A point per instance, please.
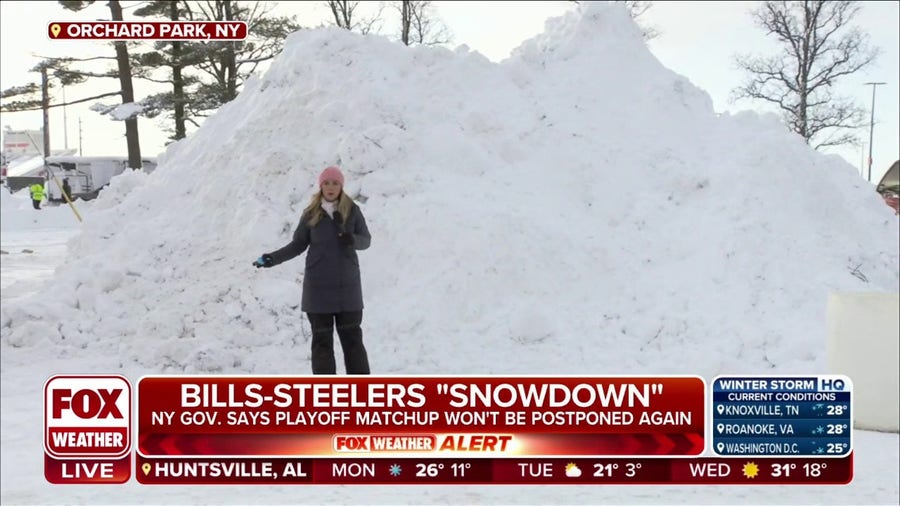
(87, 175)
(889, 187)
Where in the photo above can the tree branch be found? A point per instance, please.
(69, 103)
(70, 59)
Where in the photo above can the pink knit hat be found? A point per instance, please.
(331, 173)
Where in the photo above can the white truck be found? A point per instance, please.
(86, 175)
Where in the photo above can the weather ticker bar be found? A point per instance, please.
(498, 471)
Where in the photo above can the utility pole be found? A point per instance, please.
(79, 136)
(862, 159)
(45, 105)
(872, 127)
(65, 119)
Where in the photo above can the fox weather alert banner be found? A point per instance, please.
(417, 416)
(294, 430)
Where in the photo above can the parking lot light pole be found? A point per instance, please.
(872, 126)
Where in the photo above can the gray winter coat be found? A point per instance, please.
(331, 283)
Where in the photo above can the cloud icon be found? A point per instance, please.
(572, 471)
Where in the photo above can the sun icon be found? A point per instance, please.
(572, 470)
(751, 470)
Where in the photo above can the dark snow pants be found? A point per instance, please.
(356, 360)
(36, 204)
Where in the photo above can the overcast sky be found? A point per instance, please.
(697, 40)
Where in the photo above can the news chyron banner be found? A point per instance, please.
(87, 429)
(297, 430)
(191, 429)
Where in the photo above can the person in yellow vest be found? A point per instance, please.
(37, 195)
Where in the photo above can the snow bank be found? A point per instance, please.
(575, 209)
(17, 213)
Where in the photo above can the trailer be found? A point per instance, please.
(86, 175)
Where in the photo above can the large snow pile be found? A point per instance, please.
(575, 209)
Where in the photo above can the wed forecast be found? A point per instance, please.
(782, 416)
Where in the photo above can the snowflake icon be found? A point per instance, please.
(395, 470)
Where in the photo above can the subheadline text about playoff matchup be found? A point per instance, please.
(506, 404)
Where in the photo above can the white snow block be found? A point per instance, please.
(863, 337)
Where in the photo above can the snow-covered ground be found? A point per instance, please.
(30, 255)
(875, 465)
(576, 209)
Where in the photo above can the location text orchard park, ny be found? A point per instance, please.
(316, 416)
(147, 30)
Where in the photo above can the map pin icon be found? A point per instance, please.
(720, 428)
(55, 29)
(146, 468)
(720, 408)
(720, 447)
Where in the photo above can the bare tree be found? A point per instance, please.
(345, 16)
(637, 8)
(420, 25)
(227, 64)
(819, 47)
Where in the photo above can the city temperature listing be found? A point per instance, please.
(782, 416)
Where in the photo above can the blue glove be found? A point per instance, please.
(265, 260)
